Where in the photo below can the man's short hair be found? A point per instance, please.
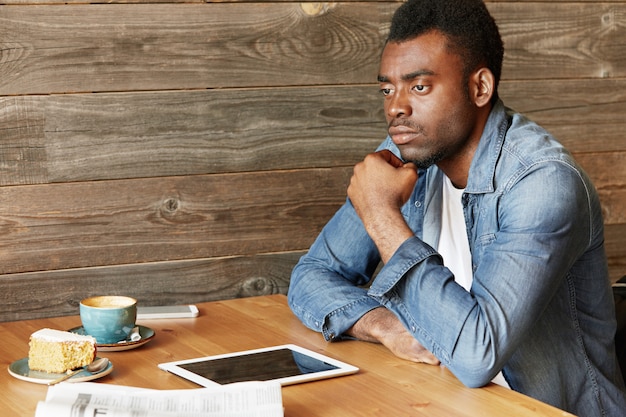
(471, 30)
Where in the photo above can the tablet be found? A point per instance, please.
(287, 364)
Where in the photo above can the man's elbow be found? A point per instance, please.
(477, 375)
(474, 381)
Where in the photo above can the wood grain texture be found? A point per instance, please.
(553, 40)
(27, 295)
(614, 236)
(129, 47)
(78, 225)
(313, 5)
(95, 48)
(86, 137)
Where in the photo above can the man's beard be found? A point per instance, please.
(427, 161)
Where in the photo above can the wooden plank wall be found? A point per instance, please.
(185, 151)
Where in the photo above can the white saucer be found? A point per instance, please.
(146, 334)
(20, 370)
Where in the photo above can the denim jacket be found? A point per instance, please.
(540, 308)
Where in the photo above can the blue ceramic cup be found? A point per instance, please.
(108, 318)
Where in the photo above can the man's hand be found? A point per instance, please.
(381, 181)
(379, 187)
(382, 326)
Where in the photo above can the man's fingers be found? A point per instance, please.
(393, 160)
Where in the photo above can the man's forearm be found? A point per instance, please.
(388, 232)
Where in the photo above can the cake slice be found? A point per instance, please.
(56, 351)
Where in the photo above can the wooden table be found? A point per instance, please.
(385, 385)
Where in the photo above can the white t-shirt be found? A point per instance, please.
(453, 242)
(454, 245)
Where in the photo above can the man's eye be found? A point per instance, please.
(419, 87)
(385, 91)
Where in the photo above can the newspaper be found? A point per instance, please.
(91, 399)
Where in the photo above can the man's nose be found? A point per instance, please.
(398, 105)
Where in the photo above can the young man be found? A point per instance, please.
(490, 234)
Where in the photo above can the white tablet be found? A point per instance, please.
(287, 364)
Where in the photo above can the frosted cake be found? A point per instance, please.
(56, 351)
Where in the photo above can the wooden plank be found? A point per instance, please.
(126, 47)
(86, 137)
(74, 225)
(23, 157)
(311, 4)
(554, 40)
(616, 250)
(27, 296)
(553, 1)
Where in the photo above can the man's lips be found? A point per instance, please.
(402, 134)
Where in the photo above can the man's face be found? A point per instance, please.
(427, 105)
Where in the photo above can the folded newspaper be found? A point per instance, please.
(244, 399)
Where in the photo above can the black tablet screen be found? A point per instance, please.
(261, 366)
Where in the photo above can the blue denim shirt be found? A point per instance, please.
(540, 307)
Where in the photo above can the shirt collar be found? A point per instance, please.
(482, 171)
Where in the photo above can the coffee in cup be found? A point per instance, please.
(108, 318)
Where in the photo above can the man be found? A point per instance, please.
(490, 235)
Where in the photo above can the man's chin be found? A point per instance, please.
(420, 163)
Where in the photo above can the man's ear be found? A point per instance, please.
(482, 85)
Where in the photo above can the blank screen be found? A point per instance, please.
(261, 366)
